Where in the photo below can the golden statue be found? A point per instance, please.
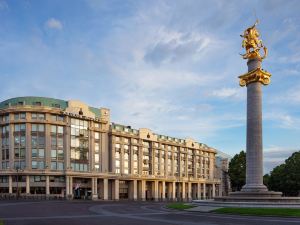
(253, 44)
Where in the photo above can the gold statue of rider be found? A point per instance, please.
(253, 44)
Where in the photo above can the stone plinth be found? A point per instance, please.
(265, 202)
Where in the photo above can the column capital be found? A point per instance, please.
(256, 75)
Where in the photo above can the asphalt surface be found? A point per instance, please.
(119, 213)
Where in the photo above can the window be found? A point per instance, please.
(96, 147)
(60, 165)
(57, 144)
(4, 118)
(34, 153)
(38, 146)
(37, 165)
(96, 158)
(37, 116)
(57, 165)
(56, 105)
(38, 153)
(20, 116)
(53, 153)
(57, 117)
(97, 136)
(53, 165)
(79, 144)
(19, 145)
(37, 103)
(60, 130)
(20, 127)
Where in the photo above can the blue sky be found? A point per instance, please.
(171, 66)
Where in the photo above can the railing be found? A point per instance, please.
(5, 196)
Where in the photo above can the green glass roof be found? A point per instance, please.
(43, 101)
(95, 111)
(50, 102)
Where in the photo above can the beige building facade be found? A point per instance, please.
(67, 149)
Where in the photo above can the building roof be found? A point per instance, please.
(129, 129)
(30, 100)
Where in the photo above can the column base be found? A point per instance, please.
(94, 197)
(69, 197)
(254, 188)
(258, 194)
(255, 191)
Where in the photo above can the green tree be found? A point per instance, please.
(237, 171)
(286, 177)
(266, 179)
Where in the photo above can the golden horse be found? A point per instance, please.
(252, 43)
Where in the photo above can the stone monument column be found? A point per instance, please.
(254, 79)
(254, 191)
(254, 146)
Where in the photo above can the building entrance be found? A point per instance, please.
(82, 188)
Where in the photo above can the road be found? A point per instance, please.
(119, 213)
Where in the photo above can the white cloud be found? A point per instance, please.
(283, 120)
(173, 46)
(276, 155)
(53, 23)
(236, 93)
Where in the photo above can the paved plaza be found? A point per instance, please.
(118, 213)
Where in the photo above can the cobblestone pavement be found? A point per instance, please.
(119, 213)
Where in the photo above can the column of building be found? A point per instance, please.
(28, 154)
(47, 152)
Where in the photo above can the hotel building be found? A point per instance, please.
(57, 148)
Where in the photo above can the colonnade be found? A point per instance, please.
(137, 189)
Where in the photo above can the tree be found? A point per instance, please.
(266, 179)
(237, 171)
(277, 177)
(286, 177)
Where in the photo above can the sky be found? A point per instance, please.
(171, 66)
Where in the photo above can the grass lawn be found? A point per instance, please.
(1, 222)
(260, 211)
(179, 206)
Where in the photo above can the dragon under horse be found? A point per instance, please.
(253, 44)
